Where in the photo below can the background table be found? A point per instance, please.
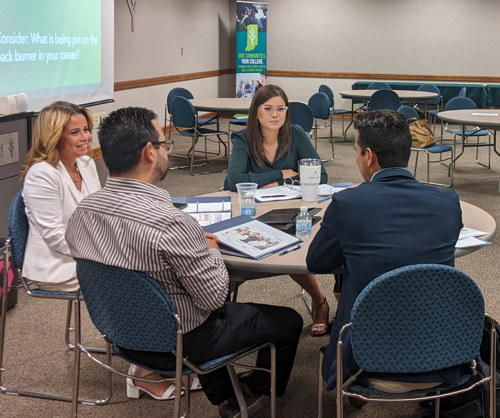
(222, 104)
(483, 118)
(357, 96)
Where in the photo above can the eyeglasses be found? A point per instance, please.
(167, 144)
(269, 110)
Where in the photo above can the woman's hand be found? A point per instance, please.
(288, 173)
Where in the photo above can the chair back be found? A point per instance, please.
(328, 91)
(384, 99)
(432, 88)
(378, 85)
(417, 319)
(458, 103)
(301, 114)
(178, 91)
(183, 113)
(129, 307)
(18, 228)
(320, 105)
(408, 112)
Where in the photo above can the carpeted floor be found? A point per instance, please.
(36, 358)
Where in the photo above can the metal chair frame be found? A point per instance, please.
(172, 331)
(15, 252)
(410, 113)
(320, 105)
(462, 102)
(186, 121)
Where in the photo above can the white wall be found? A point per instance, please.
(428, 37)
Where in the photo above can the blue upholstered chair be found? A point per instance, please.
(384, 99)
(133, 311)
(301, 114)
(334, 110)
(320, 105)
(431, 107)
(185, 119)
(458, 103)
(378, 85)
(415, 319)
(182, 92)
(18, 228)
(411, 114)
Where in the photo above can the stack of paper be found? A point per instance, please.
(469, 238)
(206, 210)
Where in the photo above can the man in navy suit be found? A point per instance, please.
(390, 220)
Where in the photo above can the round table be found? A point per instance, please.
(295, 262)
(483, 118)
(404, 95)
(222, 104)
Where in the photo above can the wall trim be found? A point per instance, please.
(147, 82)
(378, 76)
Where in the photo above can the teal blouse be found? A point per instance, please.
(242, 167)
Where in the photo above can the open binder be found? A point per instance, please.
(246, 237)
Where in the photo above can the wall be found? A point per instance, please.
(339, 37)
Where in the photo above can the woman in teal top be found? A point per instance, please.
(267, 152)
(275, 150)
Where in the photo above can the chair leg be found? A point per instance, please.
(237, 391)
(5, 288)
(321, 383)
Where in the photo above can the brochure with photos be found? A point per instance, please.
(247, 237)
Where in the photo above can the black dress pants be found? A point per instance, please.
(230, 328)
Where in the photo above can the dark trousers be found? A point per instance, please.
(230, 328)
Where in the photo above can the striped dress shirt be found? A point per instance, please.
(133, 225)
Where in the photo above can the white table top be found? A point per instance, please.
(295, 262)
(403, 94)
(484, 118)
(222, 104)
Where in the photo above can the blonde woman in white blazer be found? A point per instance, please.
(59, 172)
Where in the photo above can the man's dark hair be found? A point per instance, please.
(387, 134)
(122, 136)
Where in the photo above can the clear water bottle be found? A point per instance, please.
(303, 224)
(248, 206)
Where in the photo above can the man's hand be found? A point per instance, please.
(212, 240)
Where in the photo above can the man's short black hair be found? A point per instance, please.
(387, 134)
(122, 135)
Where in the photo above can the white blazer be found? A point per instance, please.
(51, 197)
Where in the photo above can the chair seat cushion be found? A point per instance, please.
(471, 132)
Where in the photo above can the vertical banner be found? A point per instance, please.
(251, 47)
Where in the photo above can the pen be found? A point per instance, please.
(325, 198)
(290, 250)
(274, 195)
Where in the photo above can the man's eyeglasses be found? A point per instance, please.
(269, 110)
(167, 144)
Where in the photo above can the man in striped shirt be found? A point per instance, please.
(131, 223)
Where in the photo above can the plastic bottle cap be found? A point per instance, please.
(303, 208)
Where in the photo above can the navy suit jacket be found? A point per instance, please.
(390, 222)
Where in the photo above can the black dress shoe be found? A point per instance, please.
(357, 403)
(233, 410)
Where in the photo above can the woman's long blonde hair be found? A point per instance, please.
(49, 127)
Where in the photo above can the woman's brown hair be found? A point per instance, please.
(254, 136)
